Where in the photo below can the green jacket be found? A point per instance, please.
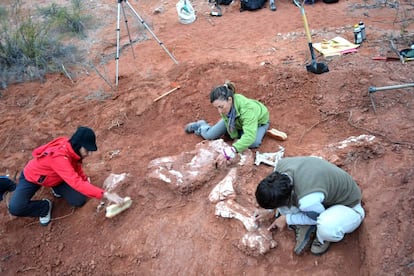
(250, 114)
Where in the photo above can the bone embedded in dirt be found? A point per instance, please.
(113, 181)
(257, 242)
(344, 152)
(188, 170)
(224, 189)
(231, 209)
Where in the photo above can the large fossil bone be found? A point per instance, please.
(258, 242)
(231, 209)
(188, 170)
(224, 189)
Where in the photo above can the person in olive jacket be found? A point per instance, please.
(244, 119)
(58, 165)
(319, 200)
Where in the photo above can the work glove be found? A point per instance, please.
(229, 153)
(114, 198)
(227, 158)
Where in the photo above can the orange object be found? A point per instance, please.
(277, 134)
(176, 87)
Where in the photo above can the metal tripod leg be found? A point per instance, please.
(117, 42)
(373, 89)
(129, 34)
(151, 32)
(120, 6)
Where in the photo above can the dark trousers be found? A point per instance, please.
(21, 204)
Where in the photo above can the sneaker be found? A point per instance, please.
(318, 248)
(272, 5)
(46, 219)
(192, 127)
(55, 194)
(304, 236)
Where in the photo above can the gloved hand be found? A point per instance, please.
(229, 152)
(114, 197)
(228, 157)
(266, 214)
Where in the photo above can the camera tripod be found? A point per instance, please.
(120, 6)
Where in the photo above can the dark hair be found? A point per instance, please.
(222, 92)
(274, 191)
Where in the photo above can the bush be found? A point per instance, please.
(66, 20)
(28, 50)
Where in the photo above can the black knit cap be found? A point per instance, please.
(83, 137)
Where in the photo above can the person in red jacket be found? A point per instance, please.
(58, 165)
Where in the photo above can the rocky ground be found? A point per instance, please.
(264, 53)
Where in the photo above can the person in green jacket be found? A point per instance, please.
(243, 119)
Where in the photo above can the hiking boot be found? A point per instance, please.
(272, 5)
(318, 248)
(56, 194)
(304, 236)
(194, 126)
(46, 219)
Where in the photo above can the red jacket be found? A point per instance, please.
(56, 162)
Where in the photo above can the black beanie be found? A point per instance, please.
(83, 137)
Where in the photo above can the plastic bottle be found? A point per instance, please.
(357, 34)
(362, 28)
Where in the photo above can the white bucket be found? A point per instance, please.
(186, 13)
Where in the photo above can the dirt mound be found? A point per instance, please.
(167, 233)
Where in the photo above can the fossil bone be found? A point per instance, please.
(258, 242)
(224, 189)
(231, 209)
(268, 158)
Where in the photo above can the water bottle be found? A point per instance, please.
(362, 28)
(357, 34)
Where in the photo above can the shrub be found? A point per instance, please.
(28, 51)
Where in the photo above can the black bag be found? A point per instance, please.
(251, 5)
(223, 2)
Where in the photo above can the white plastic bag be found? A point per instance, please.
(186, 13)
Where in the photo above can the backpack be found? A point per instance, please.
(251, 5)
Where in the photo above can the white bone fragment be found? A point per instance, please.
(269, 158)
(258, 242)
(113, 180)
(231, 209)
(224, 189)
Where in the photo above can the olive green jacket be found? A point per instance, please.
(313, 174)
(250, 114)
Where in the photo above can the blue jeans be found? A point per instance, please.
(21, 204)
(219, 129)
